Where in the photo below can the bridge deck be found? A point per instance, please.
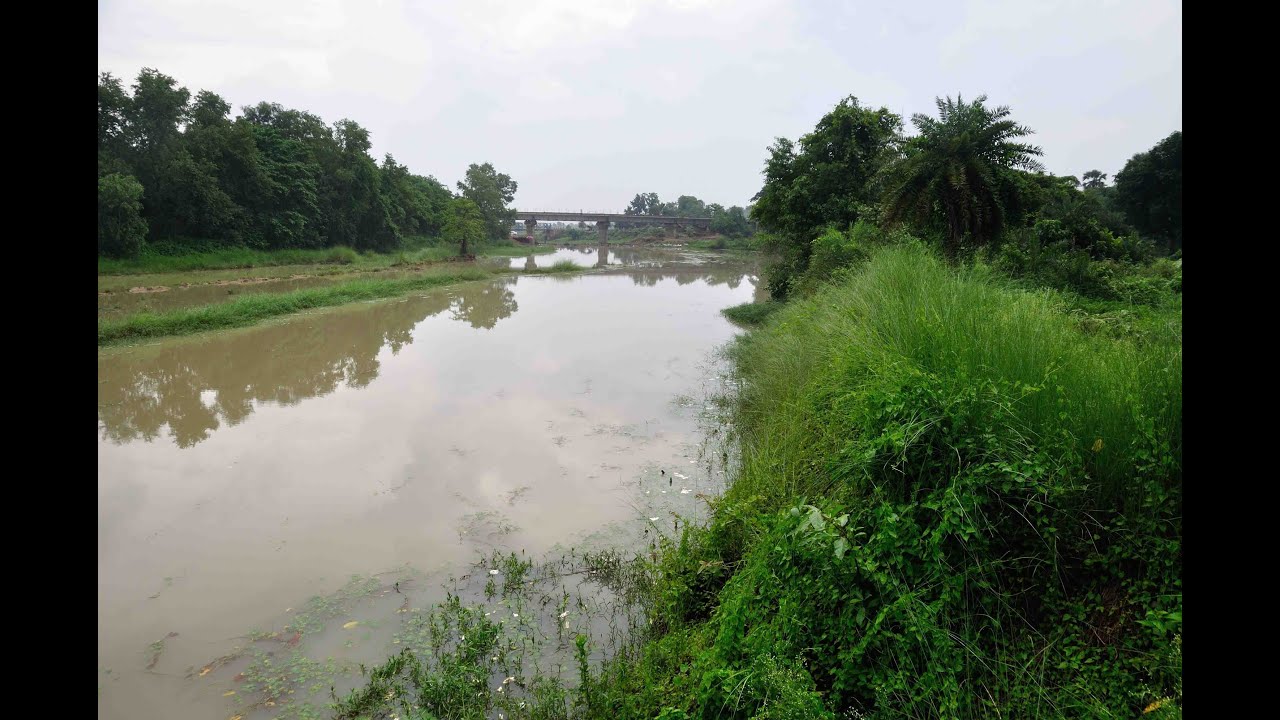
(548, 215)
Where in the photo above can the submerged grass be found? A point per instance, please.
(560, 266)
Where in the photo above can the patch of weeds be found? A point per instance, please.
(318, 611)
(521, 652)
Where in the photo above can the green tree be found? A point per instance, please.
(357, 210)
(113, 119)
(491, 191)
(435, 204)
(957, 172)
(644, 204)
(121, 228)
(158, 108)
(465, 225)
(690, 206)
(1149, 191)
(730, 223)
(829, 177)
(1094, 180)
(286, 212)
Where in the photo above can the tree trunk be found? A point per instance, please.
(951, 246)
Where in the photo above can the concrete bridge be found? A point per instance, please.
(603, 220)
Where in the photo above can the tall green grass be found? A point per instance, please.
(908, 309)
(250, 309)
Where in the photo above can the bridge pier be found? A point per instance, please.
(602, 227)
(529, 226)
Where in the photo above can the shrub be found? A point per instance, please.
(121, 229)
(834, 250)
(342, 256)
(751, 313)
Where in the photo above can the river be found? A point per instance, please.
(247, 475)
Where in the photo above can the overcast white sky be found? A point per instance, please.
(588, 102)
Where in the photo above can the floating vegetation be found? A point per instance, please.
(155, 649)
(485, 524)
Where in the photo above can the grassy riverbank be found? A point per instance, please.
(252, 309)
(955, 498)
(954, 501)
(339, 257)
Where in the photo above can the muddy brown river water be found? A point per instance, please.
(242, 473)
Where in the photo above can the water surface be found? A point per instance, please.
(243, 472)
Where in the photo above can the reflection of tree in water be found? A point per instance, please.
(732, 277)
(143, 390)
(483, 306)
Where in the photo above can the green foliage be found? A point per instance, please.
(834, 250)
(491, 191)
(644, 204)
(1149, 189)
(959, 170)
(465, 225)
(731, 223)
(1108, 268)
(827, 178)
(121, 229)
(272, 178)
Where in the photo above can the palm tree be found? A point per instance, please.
(958, 168)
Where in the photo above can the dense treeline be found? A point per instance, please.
(731, 222)
(968, 181)
(177, 170)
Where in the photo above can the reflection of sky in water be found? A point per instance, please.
(264, 464)
(590, 257)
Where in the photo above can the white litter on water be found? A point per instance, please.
(653, 519)
(682, 476)
(684, 491)
(493, 572)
